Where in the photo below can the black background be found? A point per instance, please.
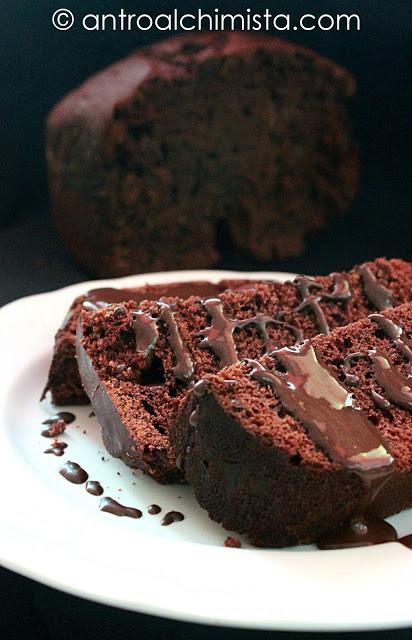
(39, 64)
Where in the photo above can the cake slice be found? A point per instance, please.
(289, 447)
(136, 362)
(63, 380)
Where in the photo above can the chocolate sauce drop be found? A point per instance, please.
(57, 448)
(54, 429)
(406, 541)
(171, 517)
(154, 509)
(219, 338)
(115, 508)
(94, 487)
(147, 334)
(341, 292)
(358, 532)
(73, 472)
(66, 416)
(376, 293)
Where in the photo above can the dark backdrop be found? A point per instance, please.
(39, 64)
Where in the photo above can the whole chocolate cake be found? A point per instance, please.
(64, 381)
(136, 362)
(289, 447)
(196, 142)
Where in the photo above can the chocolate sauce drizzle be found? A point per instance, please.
(115, 508)
(66, 416)
(171, 517)
(341, 292)
(218, 337)
(376, 293)
(54, 429)
(358, 532)
(73, 472)
(147, 334)
(154, 509)
(94, 487)
(56, 448)
(396, 386)
(309, 392)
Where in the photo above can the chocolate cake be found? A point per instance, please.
(137, 361)
(200, 142)
(64, 381)
(288, 447)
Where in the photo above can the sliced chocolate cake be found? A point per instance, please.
(289, 447)
(137, 361)
(64, 381)
(199, 143)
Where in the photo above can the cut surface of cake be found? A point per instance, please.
(288, 448)
(63, 380)
(197, 143)
(137, 361)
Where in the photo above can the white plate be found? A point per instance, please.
(53, 531)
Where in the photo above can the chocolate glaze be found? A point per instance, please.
(358, 532)
(66, 416)
(406, 541)
(73, 472)
(351, 379)
(218, 337)
(382, 402)
(154, 509)
(200, 388)
(376, 293)
(112, 506)
(309, 392)
(341, 292)
(397, 387)
(171, 517)
(396, 334)
(54, 429)
(145, 327)
(56, 448)
(94, 487)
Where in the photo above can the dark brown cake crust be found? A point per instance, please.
(152, 158)
(256, 470)
(145, 391)
(64, 381)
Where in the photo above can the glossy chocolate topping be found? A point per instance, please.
(218, 337)
(145, 327)
(396, 334)
(115, 508)
(154, 509)
(66, 416)
(56, 448)
(310, 393)
(311, 300)
(397, 387)
(358, 532)
(94, 487)
(171, 517)
(376, 293)
(54, 429)
(73, 472)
